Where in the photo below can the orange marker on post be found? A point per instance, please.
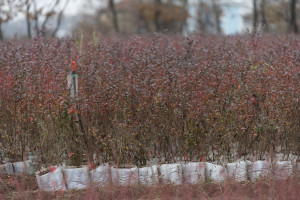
(74, 77)
(73, 80)
(74, 63)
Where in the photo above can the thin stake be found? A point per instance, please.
(90, 159)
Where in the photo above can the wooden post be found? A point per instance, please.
(73, 85)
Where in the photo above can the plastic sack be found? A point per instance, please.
(77, 178)
(194, 172)
(171, 173)
(125, 176)
(237, 171)
(6, 168)
(52, 181)
(258, 169)
(24, 166)
(215, 173)
(148, 175)
(282, 169)
(101, 176)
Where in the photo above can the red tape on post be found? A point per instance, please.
(74, 63)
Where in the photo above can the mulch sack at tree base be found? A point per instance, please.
(148, 175)
(101, 175)
(215, 173)
(77, 178)
(51, 181)
(258, 169)
(194, 172)
(171, 173)
(24, 166)
(282, 169)
(237, 171)
(125, 176)
(6, 168)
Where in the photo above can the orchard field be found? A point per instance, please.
(214, 98)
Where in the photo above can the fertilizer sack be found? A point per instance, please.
(171, 173)
(148, 175)
(194, 172)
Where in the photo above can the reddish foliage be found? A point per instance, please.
(144, 97)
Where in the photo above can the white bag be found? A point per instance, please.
(215, 173)
(125, 176)
(51, 181)
(101, 176)
(237, 171)
(6, 169)
(282, 169)
(24, 166)
(148, 175)
(258, 169)
(171, 173)
(194, 172)
(77, 178)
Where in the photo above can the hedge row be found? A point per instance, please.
(202, 97)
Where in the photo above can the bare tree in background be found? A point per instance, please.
(8, 9)
(33, 14)
(28, 17)
(157, 14)
(59, 18)
(218, 13)
(263, 15)
(184, 6)
(111, 5)
(255, 15)
(259, 14)
(209, 16)
(293, 20)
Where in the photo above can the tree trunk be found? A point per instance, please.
(185, 7)
(59, 18)
(263, 16)
(36, 20)
(114, 15)
(43, 28)
(157, 14)
(293, 19)
(28, 20)
(1, 33)
(58, 23)
(255, 15)
(217, 13)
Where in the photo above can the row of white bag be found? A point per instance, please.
(192, 173)
(18, 168)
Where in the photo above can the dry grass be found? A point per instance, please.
(20, 187)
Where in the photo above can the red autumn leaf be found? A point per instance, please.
(92, 165)
(70, 110)
(11, 181)
(203, 159)
(71, 154)
(52, 168)
(62, 103)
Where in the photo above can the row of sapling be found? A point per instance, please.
(150, 98)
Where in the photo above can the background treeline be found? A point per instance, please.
(43, 18)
